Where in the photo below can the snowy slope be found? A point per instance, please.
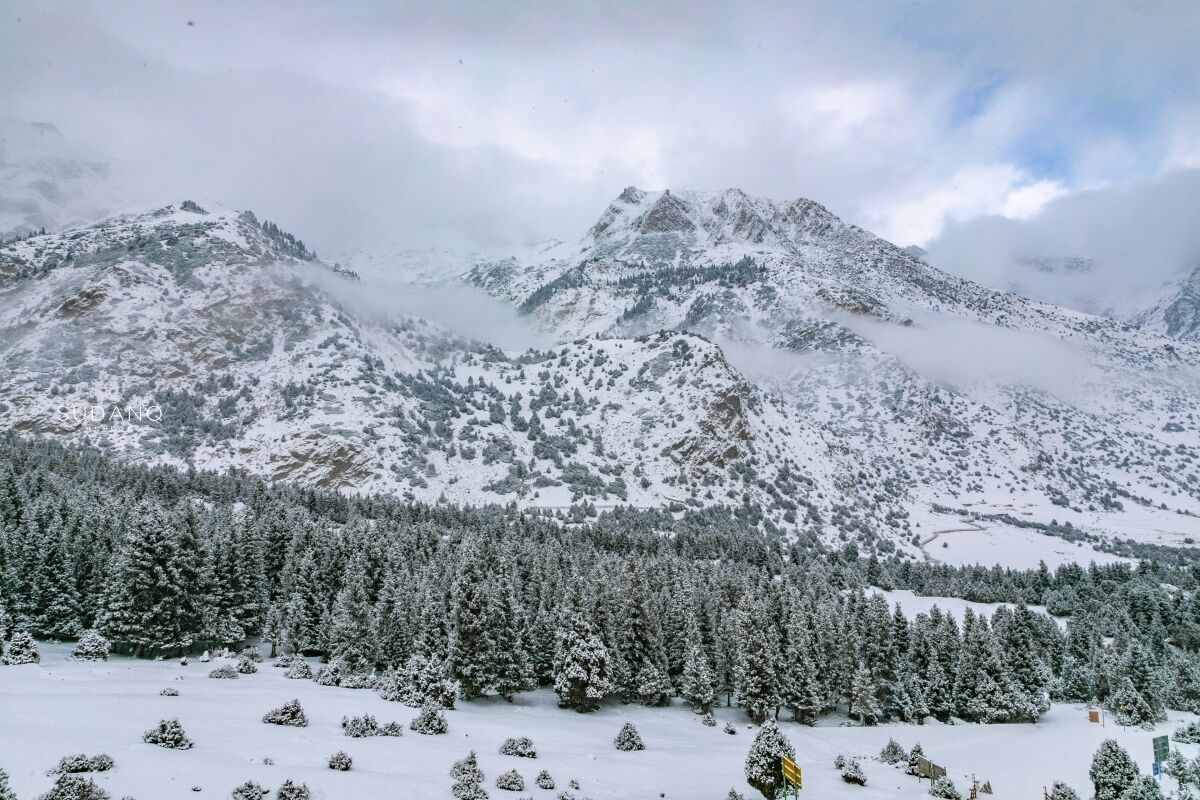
(1175, 311)
(62, 707)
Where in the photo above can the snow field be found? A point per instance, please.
(61, 707)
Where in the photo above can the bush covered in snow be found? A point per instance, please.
(78, 762)
(521, 746)
(169, 692)
(251, 654)
(628, 738)
(708, 720)
(944, 788)
(430, 722)
(544, 780)
(6, 792)
(913, 755)
(1063, 792)
(223, 672)
(1187, 734)
(732, 731)
(359, 680)
(246, 666)
(290, 713)
(893, 753)
(74, 787)
(284, 661)
(762, 762)
(358, 727)
(331, 674)
(1112, 770)
(22, 649)
(852, 772)
(468, 779)
(90, 647)
(299, 669)
(168, 734)
(341, 761)
(511, 781)
(290, 791)
(248, 791)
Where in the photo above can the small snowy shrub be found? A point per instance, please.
(732, 731)
(944, 788)
(839, 761)
(430, 722)
(390, 686)
(90, 647)
(358, 727)
(246, 666)
(168, 734)
(708, 720)
(543, 780)
(734, 794)
(1062, 792)
(391, 729)
(6, 792)
(74, 787)
(628, 738)
(251, 654)
(78, 762)
(299, 669)
(893, 753)
(248, 791)
(913, 755)
(511, 781)
(285, 660)
(573, 784)
(522, 747)
(466, 769)
(468, 791)
(169, 692)
(331, 674)
(1188, 734)
(341, 761)
(22, 650)
(852, 772)
(290, 791)
(290, 713)
(224, 672)
(359, 680)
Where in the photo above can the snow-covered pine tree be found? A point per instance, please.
(91, 647)
(581, 661)
(1061, 791)
(56, 606)
(512, 669)
(757, 682)
(1130, 707)
(1112, 771)
(697, 679)
(642, 649)
(628, 738)
(350, 619)
(144, 597)
(472, 657)
(800, 687)
(22, 649)
(863, 705)
(763, 766)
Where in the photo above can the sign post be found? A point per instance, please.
(792, 775)
(1162, 748)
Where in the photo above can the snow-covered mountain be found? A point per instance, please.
(49, 182)
(708, 349)
(1175, 311)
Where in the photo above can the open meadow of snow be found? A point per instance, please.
(61, 707)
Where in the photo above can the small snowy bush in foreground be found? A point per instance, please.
(290, 713)
(248, 791)
(543, 780)
(246, 666)
(224, 672)
(22, 650)
(290, 791)
(78, 762)
(169, 692)
(91, 647)
(1188, 734)
(74, 787)
(522, 747)
(628, 738)
(893, 753)
(168, 734)
(944, 788)
(341, 761)
(762, 762)
(431, 721)
(852, 772)
(511, 781)
(299, 669)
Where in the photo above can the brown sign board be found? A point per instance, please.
(791, 772)
(1093, 715)
(928, 769)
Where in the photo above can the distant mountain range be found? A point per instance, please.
(707, 349)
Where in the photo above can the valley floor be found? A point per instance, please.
(61, 707)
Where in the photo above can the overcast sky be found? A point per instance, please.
(492, 123)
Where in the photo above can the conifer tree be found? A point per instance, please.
(757, 683)
(697, 679)
(581, 662)
(1112, 771)
(764, 769)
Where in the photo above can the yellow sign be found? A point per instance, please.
(792, 773)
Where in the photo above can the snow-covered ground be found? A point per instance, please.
(61, 707)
